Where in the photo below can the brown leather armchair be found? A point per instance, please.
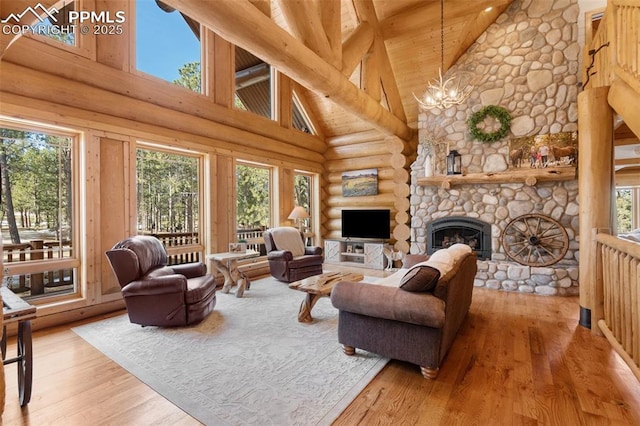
(289, 259)
(157, 294)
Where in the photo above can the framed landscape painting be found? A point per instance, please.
(359, 183)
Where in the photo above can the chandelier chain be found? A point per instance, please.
(442, 35)
(444, 93)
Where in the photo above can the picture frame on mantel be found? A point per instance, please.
(360, 183)
(544, 151)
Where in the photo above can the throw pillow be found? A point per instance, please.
(420, 279)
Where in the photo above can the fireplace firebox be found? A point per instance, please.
(444, 232)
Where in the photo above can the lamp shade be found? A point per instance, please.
(298, 212)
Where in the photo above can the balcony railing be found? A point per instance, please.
(38, 283)
(617, 310)
(176, 242)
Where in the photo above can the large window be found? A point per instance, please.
(254, 195)
(39, 230)
(303, 185)
(168, 187)
(168, 44)
(628, 209)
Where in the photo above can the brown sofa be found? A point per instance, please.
(417, 327)
(289, 259)
(157, 294)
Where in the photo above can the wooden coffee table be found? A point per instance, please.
(318, 286)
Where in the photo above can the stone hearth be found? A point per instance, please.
(497, 205)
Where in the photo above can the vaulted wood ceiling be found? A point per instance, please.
(411, 33)
(361, 60)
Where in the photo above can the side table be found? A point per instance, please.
(227, 264)
(17, 310)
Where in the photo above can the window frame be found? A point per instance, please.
(74, 261)
(133, 12)
(84, 43)
(201, 163)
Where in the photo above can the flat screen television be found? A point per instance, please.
(370, 223)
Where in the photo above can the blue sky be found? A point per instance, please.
(164, 41)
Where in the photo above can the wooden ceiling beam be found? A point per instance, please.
(428, 15)
(626, 141)
(366, 12)
(356, 46)
(305, 24)
(241, 23)
(330, 16)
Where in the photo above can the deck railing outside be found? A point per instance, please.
(38, 283)
(617, 310)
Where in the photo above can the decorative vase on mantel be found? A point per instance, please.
(428, 165)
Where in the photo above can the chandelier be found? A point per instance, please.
(444, 93)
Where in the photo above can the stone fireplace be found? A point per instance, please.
(444, 232)
(527, 63)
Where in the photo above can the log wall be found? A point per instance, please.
(391, 156)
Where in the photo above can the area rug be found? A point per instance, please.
(250, 362)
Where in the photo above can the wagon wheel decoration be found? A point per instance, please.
(535, 240)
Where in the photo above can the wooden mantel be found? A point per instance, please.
(529, 177)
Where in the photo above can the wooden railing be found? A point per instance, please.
(34, 284)
(177, 244)
(617, 310)
(613, 50)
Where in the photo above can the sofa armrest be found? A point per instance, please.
(312, 250)
(280, 255)
(165, 284)
(390, 303)
(190, 270)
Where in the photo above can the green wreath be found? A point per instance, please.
(499, 113)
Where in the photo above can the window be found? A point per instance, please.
(168, 188)
(627, 209)
(300, 120)
(168, 44)
(303, 185)
(253, 84)
(253, 202)
(39, 231)
(57, 26)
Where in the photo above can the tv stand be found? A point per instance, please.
(358, 253)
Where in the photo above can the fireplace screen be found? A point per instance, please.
(442, 233)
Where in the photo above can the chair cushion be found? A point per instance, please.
(308, 260)
(420, 278)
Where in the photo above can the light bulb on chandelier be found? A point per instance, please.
(444, 93)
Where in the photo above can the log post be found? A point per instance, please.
(595, 184)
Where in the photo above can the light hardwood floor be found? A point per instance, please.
(518, 360)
